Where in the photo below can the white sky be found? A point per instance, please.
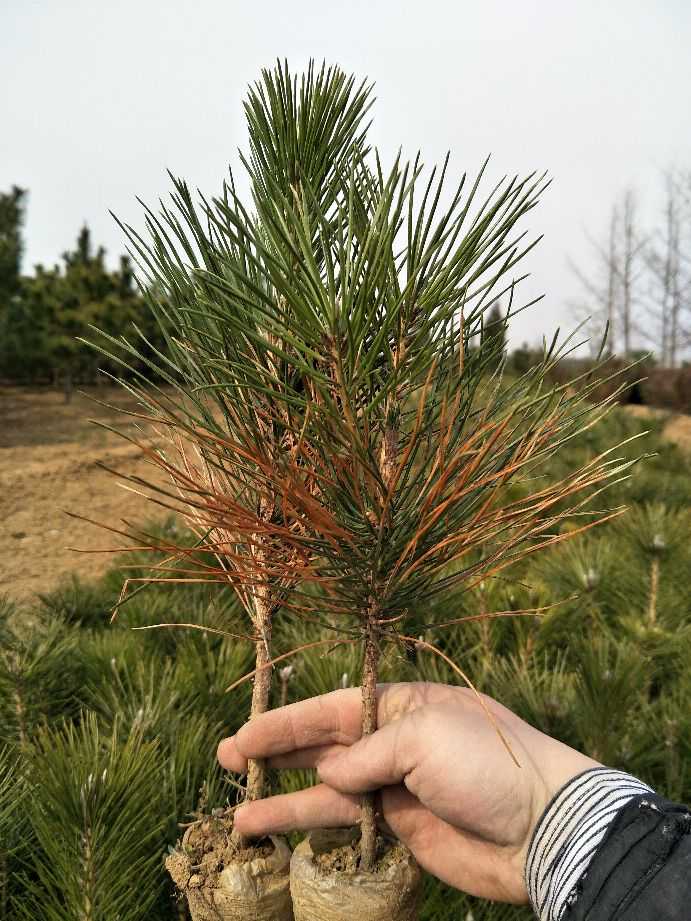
(98, 98)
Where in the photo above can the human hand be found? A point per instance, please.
(449, 789)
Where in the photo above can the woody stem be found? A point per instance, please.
(368, 826)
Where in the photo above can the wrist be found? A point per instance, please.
(568, 833)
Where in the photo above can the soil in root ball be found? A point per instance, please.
(327, 883)
(347, 858)
(222, 883)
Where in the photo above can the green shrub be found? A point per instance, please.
(94, 810)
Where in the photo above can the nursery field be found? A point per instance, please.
(49, 464)
(107, 736)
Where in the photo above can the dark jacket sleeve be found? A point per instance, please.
(642, 869)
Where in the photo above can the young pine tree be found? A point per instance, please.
(228, 416)
(338, 447)
(95, 814)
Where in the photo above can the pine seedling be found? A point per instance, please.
(229, 419)
(539, 689)
(616, 672)
(97, 815)
(225, 413)
(193, 783)
(336, 438)
(74, 602)
(12, 789)
(175, 704)
(142, 698)
(8, 789)
(580, 583)
(205, 668)
(40, 677)
(424, 460)
(655, 533)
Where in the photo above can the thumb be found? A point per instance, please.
(378, 760)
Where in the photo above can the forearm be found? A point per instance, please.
(602, 849)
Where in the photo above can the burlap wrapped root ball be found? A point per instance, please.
(221, 885)
(326, 884)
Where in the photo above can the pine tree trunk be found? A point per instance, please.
(370, 669)
(256, 771)
(261, 691)
(368, 824)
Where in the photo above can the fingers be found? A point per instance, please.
(315, 807)
(331, 718)
(232, 760)
(458, 858)
(379, 760)
(327, 720)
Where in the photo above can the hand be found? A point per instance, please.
(449, 789)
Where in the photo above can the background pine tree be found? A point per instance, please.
(165, 688)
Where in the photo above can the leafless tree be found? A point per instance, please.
(641, 281)
(631, 268)
(613, 291)
(597, 305)
(669, 268)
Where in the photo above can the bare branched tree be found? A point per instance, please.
(598, 306)
(640, 287)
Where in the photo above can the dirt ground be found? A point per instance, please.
(677, 428)
(49, 457)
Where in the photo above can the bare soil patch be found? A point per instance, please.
(676, 427)
(678, 430)
(49, 465)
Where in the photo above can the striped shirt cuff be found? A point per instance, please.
(568, 834)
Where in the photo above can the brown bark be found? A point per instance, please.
(370, 669)
(256, 771)
(368, 824)
(388, 454)
(256, 768)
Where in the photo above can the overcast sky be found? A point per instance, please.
(98, 99)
